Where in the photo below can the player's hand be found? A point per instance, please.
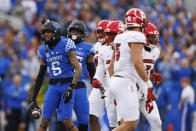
(150, 96)
(68, 94)
(149, 106)
(96, 83)
(156, 77)
(33, 105)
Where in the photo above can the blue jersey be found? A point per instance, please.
(57, 59)
(83, 50)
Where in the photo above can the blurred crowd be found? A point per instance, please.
(18, 46)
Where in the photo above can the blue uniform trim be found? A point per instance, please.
(70, 45)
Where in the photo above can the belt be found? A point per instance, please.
(80, 85)
(61, 80)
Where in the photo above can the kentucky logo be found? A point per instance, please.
(47, 55)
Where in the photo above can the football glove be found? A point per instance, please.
(96, 83)
(156, 77)
(150, 95)
(68, 94)
(33, 105)
(149, 106)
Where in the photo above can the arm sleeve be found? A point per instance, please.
(69, 46)
(39, 81)
(40, 53)
(91, 65)
(91, 69)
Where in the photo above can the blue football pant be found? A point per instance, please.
(53, 97)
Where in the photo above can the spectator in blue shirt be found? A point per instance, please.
(16, 94)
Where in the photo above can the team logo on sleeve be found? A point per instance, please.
(47, 55)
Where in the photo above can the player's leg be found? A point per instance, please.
(125, 93)
(66, 109)
(111, 109)
(96, 109)
(50, 103)
(88, 85)
(81, 108)
(127, 126)
(153, 117)
(59, 124)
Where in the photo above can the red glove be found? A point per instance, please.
(149, 106)
(96, 83)
(150, 96)
(156, 77)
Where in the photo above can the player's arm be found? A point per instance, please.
(98, 78)
(136, 55)
(182, 102)
(74, 61)
(111, 66)
(91, 66)
(154, 75)
(38, 83)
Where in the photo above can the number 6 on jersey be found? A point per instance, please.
(56, 70)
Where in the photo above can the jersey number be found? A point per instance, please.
(117, 51)
(80, 59)
(56, 70)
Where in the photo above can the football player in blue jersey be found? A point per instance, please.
(59, 55)
(85, 53)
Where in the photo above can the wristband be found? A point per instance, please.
(149, 84)
(72, 86)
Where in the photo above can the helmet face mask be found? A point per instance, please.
(152, 36)
(153, 39)
(101, 35)
(77, 27)
(101, 26)
(51, 33)
(48, 35)
(75, 34)
(110, 37)
(113, 28)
